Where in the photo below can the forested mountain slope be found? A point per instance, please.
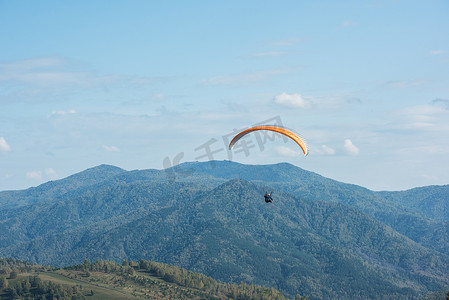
(320, 238)
(420, 214)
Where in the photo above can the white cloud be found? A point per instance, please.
(159, 97)
(402, 84)
(244, 78)
(13, 69)
(268, 54)
(50, 172)
(43, 71)
(34, 175)
(437, 52)
(421, 110)
(34, 80)
(286, 151)
(111, 148)
(351, 148)
(286, 42)
(349, 23)
(428, 117)
(324, 150)
(234, 106)
(327, 150)
(63, 112)
(215, 116)
(4, 147)
(292, 100)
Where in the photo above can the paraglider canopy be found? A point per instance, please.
(277, 129)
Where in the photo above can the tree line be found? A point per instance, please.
(35, 288)
(181, 277)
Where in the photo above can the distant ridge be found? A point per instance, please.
(57, 188)
(320, 237)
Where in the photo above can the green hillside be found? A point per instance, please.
(109, 280)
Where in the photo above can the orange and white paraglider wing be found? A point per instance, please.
(280, 130)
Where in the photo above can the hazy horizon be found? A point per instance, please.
(211, 164)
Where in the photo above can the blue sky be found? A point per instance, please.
(148, 84)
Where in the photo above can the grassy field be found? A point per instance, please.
(63, 278)
(99, 292)
(99, 285)
(109, 280)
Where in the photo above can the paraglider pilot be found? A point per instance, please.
(268, 197)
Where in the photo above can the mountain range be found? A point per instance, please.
(319, 238)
